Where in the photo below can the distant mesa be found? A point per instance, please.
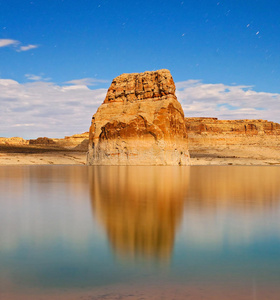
(140, 122)
(13, 141)
(205, 132)
(76, 142)
(42, 141)
(248, 127)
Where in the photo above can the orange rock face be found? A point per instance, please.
(143, 86)
(140, 122)
(248, 127)
(211, 131)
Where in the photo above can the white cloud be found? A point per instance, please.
(8, 42)
(75, 87)
(86, 81)
(7, 82)
(63, 110)
(26, 48)
(227, 101)
(36, 77)
(16, 44)
(33, 77)
(55, 110)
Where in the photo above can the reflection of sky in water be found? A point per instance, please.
(81, 227)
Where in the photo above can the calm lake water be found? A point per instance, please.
(77, 232)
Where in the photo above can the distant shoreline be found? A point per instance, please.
(48, 155)
(40, 155)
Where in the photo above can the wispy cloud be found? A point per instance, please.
(26, 48)
(8, 42)
(86, 81)
(56, 110)
(16, 44)
(37, 77)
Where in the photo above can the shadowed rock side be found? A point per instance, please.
(140, 122)
(140, 208)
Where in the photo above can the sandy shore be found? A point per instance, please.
(232, 155)
(50, 158)
(40, 155)
(152, 291)
(235, 155)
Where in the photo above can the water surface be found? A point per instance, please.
(77, 232)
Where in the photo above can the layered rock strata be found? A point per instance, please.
(140, 122)
(203, 132)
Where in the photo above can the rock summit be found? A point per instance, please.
(140, 122)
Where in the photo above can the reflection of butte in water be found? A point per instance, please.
(140, 208)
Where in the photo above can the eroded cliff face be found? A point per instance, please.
(214, 132)
(140, 122)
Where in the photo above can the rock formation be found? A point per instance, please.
(13, 141)
(76, 142)
(247, 127)
(42, 141)
(203, 132)
(140, 122)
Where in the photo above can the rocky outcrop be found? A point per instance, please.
(140, 122)
(42, 141)
(76, 142)
(13, 141)
(213, 132)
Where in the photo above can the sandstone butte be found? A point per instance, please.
(140, 122)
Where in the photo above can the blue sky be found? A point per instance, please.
(233, 43)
